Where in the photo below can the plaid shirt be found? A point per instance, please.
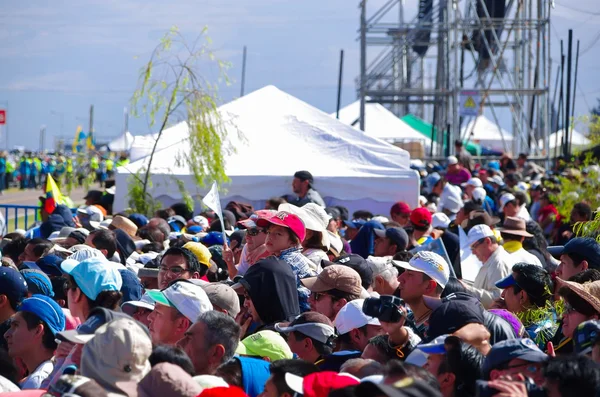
(301, 266)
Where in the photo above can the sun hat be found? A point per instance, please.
(589, 292)
(516, 226)
(440, 220)
(430, 263)
(125, 224)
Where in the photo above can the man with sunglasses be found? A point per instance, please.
(335, 286)
(179, 264)
(512, 357)
(497, 264)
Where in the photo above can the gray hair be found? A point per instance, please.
(221, 330)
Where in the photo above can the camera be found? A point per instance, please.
(533, 390)
(386, 308)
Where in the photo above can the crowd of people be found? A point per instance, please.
(481, 289)
(29, 170)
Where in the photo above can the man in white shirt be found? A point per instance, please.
(497, 264)
(513, 234)
(510, 205)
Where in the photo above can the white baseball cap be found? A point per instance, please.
(452, 160)
(452, 203)
(479, 194)
(83, 253)
(145, 302)
(497, 179)
(504, 199)
(190, 299)
(478, 232)
(351, 317)
(429, 263)
(476, 182)
(439, 220)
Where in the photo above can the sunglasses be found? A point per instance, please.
(255, 231)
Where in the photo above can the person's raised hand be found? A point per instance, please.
(243, 319)
(396, 333)
(227, 254)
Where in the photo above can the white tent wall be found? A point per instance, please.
(487, 134)
(275, 135)
(578, 140)
(122, 143)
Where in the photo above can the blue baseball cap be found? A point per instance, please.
(38, 282)
(50, 264)
(94, 275)
(131, 288)
(507, 350)
(13, 285)
(139, 220)
(436, 346)
(506, 282)
(582, 246)
(355, 223)
(212, 238)
(47, 310)
(195, 229)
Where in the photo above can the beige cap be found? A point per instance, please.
(224, 297)
(339, 277)
(117, 356)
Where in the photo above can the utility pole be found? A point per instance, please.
(91, 130)
(243, 73)
(363, 61)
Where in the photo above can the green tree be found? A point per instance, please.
(171, 89)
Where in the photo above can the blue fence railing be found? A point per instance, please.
(21, 216)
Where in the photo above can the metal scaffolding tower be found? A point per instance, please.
(500, 48)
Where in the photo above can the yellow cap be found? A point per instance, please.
(201, 252)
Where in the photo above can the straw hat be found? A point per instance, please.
(125, 224)
(589, 292)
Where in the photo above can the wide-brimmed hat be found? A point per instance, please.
(589, 292)
(516, 226)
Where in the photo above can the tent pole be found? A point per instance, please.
(339, 90)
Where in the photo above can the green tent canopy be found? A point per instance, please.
(425, 128)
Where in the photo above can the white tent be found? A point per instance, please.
(122, 143)
(487, 134)
(578, 140)
(142, 144)
(381, 123)
(275, 135)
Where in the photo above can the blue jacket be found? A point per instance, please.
(60, 218)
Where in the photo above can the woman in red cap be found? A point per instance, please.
(285, 234)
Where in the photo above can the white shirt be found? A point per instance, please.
(498, 266)
(522, 255)
(35, 379)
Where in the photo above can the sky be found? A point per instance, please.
(58, 58)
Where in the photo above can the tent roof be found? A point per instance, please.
(380, 123)
(424, 128)
(485, 130)
(122, 143)
(274, 133)
(577, 139)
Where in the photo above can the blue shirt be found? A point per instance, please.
(301, 266)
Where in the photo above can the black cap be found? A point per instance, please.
(456, 311)
(78, 236)
(359, 264)
(94, 195)
(396, 234)
(586, 247)
(304, 176)
(471, 206)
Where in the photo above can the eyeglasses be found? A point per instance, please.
(255, 231)
(173, 270)
(318, 295)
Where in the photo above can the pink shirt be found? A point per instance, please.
(461, 176)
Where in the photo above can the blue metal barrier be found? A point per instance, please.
(12, 214)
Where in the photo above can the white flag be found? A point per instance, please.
(212, 201)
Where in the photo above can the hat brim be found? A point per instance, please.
(294, 382)
(522, 233)
(158, 297)
(75, 337)
(432, 348)
(242, 350)
(135, 304)
(406, 265)
(315, 285)
(68, 265)
(380, 233)
(506, 282)
(240, 286)
(556, 250)
(533, 357)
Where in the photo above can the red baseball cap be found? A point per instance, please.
(420, 217)
(319, 384)
(400, 208)
(285, 219)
